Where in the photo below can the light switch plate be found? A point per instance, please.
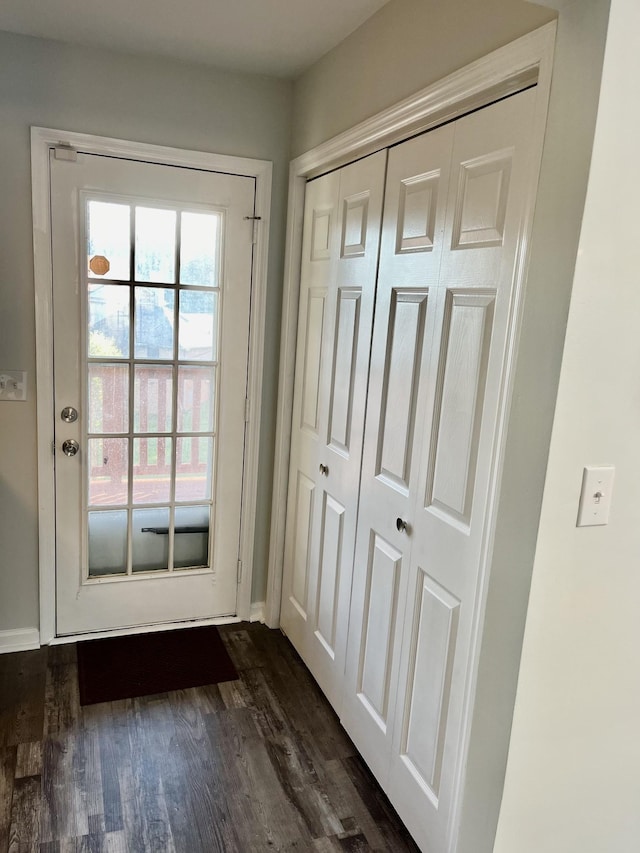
(13, 384)
(595, 498)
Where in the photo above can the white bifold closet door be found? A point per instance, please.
(337, 289)
(454, 205)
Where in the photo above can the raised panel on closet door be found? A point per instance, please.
(329, 411)
(404, 342)
(486, 202)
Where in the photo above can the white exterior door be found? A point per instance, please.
(454, 206)
(339, 259)
(152, 270)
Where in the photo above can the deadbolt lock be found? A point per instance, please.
(69, 414)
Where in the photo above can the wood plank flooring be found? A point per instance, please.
(258, 764)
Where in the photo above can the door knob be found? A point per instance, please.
(70, 447)
(401, 525)
(324, 469)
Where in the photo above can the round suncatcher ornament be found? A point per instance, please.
(99, 265)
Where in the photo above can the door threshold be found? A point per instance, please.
(143, 629)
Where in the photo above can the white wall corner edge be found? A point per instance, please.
(19, 640)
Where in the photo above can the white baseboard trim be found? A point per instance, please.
(19, 640)
(257, 611)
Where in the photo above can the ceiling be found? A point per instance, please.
(276, 37)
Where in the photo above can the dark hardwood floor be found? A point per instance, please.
(258, 764)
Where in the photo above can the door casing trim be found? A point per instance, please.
(524, 62)
(42, 140)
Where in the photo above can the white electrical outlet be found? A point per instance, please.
(13, 384)
(595, 498)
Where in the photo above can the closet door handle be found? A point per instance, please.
(401, 525)
(324, 469)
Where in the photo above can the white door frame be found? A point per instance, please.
(42, 140)
(522, 63)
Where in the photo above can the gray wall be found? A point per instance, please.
(158, 101)
(406, 46)
(573, 780)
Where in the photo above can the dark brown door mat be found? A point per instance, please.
(142, 664)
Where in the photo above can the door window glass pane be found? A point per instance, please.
(196, 390)
(199, 249)
(191, 543)
(108, 471)
(194, 465)
(107, 543)
(108, 398)
(154, 322)
(108, 321)
(150, 536)
(151, 470)
(153, 400)
(198, 330)
(109, 240)
(155, 245)
(138, 479)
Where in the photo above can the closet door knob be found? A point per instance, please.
(324, 469)
(401, 525)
